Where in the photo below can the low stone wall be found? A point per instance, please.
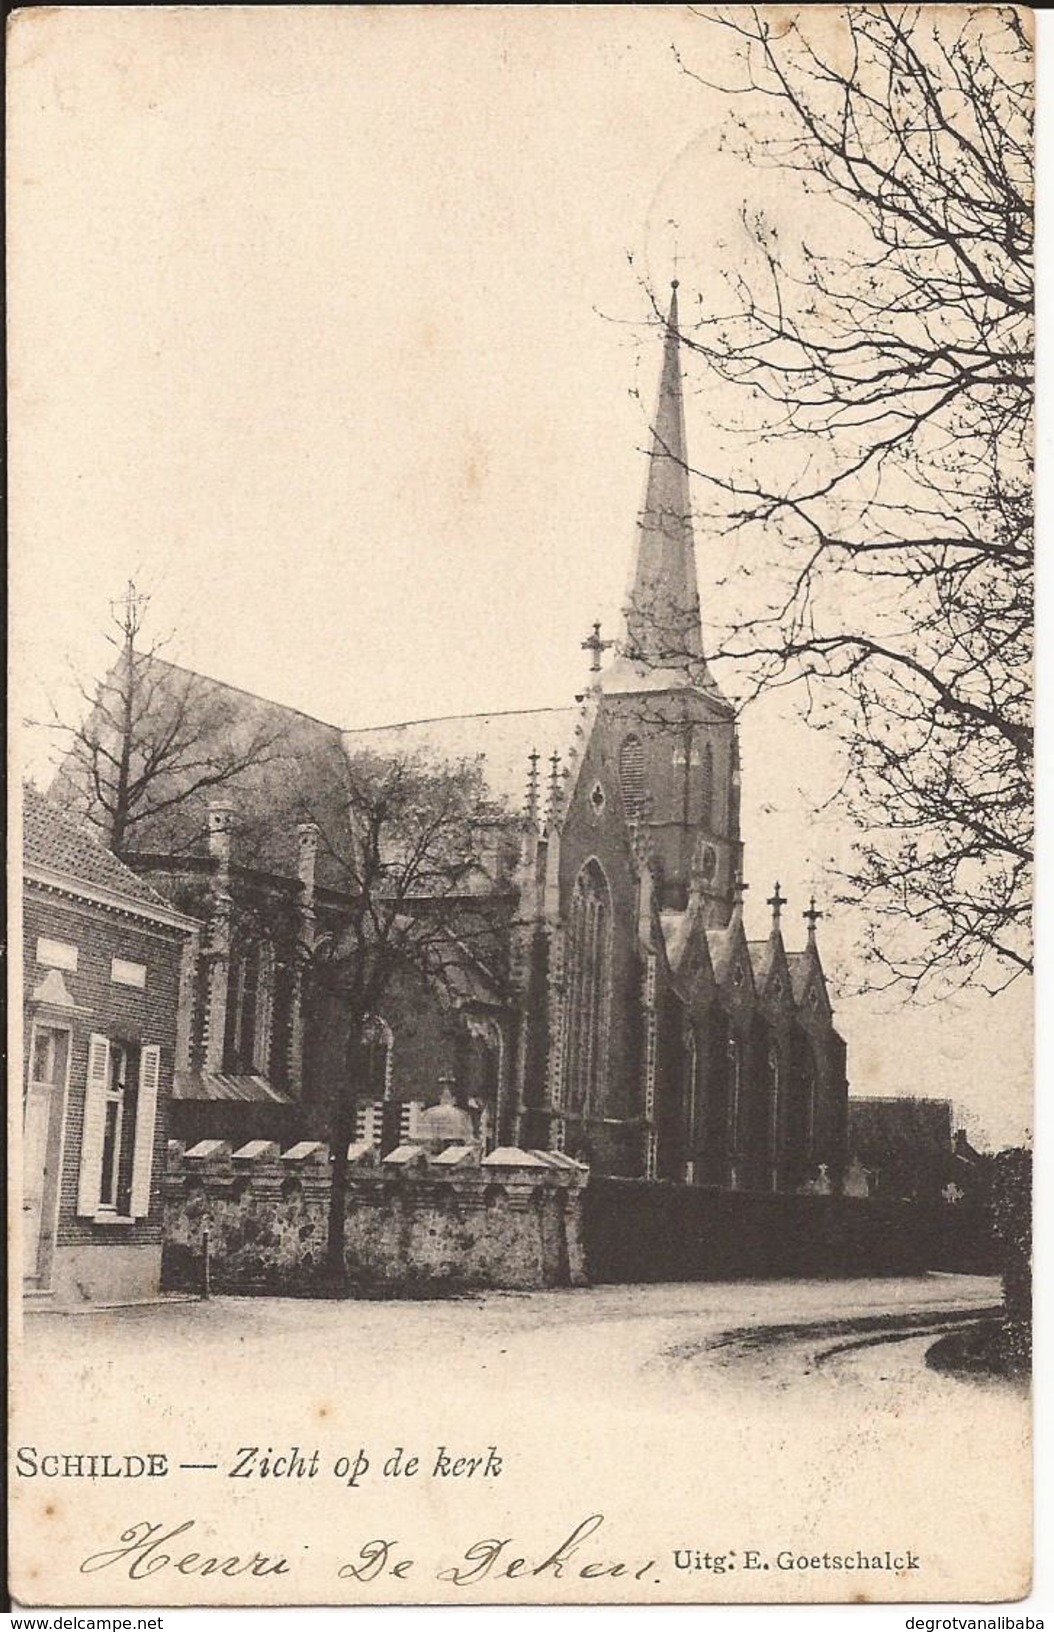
(639, 1231)
(416, 1223)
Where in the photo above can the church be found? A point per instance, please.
(618, 1013)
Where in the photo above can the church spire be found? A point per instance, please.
(663, 626)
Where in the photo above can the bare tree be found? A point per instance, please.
(876, 457)
(155, 741)
(415, 856)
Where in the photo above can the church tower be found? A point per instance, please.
(678, 755)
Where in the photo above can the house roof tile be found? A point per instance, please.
(55, 841)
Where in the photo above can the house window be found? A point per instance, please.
(117, 1136)
(118, 1148)
(48, 1064)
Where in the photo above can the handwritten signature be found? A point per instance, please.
(147, 1549)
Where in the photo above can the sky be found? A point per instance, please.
(328, 326)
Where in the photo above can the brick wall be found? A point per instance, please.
(415, 1229)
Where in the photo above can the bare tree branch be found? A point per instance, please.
(876, 472)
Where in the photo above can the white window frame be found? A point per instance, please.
(116, 1093)
(100, 1093)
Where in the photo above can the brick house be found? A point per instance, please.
(103, 958)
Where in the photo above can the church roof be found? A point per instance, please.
(800, 965)
(299, 773)
(629, 676)
(250, 1088)
(500, 742)
(761, 957)
(723, 945)
(676, 929)
(290, 775)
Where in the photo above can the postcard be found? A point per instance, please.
(521, 805)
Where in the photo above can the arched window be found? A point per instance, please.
(588, 982)
(773, 1074)
(735, 1071)
(485, 1077)
(250, 1008)
(732, 813)
(377, 1042)
(691, 1106)
(810, 1105)
(706, 789)
(631, 775)
(264, 1007)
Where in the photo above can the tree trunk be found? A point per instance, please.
(119, 821)
(343, 1127)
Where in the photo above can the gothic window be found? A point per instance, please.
(810, 1105)
(237, 982)
(485, 1079)
(735, 1072)
(691, 1105)
(773, 1074)
(263, 1008)
(706, 789)
(377, 1040)
(588, 977)
(732, 812)
(250, 1009)
(631, 775)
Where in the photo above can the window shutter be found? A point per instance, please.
(145, 1120)
(90, 1184)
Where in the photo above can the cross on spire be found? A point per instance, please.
(811, 917)
(596, 647)
(739, 889)
(777, 902)
(676, 225)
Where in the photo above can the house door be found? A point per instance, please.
(42, 1146)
